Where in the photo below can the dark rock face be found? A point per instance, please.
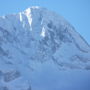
(11, 75)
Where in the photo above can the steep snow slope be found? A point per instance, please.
(35, 40)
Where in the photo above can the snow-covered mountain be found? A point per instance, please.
(34, 41)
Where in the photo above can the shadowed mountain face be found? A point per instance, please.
(35, 42)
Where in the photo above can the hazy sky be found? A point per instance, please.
(77, 12)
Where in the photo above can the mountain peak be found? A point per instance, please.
(36, 40)
(33, 8)
(36, 7)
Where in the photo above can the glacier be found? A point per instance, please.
(40, 50)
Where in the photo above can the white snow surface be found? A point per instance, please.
(40, 50)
